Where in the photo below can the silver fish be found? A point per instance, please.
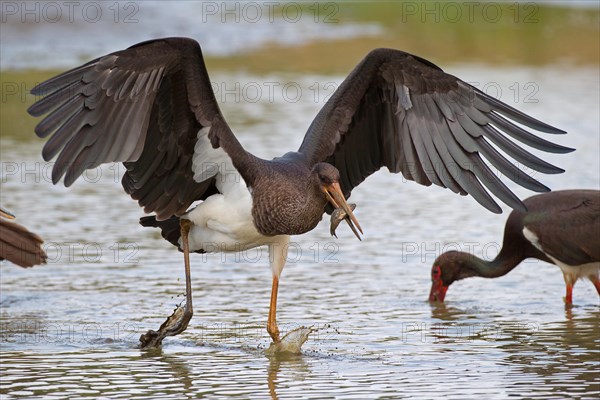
(339, 215)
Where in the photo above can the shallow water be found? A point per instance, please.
(70, 328)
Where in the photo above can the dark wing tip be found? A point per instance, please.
(517, 115)
(32, 109)
(565, 150)
(555, 170)
(37, 90)
(519, 206)
(495, 208)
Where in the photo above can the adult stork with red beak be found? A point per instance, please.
(561, 228)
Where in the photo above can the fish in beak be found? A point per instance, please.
(337, 216)
(334, 194)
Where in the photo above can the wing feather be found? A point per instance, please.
(526, 137)
(518, 153)
(429, 125)
(419, 143)
(437, 152)
(142, 106)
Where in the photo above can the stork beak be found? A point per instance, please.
(438, 291)
(334, 194)
(6, 214)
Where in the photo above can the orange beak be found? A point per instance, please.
(334, 194)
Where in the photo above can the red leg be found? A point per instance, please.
(569, 297)
(596, 283)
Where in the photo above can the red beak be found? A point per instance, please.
(438, 289)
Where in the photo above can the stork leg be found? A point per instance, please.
(278, 251)
(179, 320)
(188, 310)
(596, 283)
(569, 296)
(272, 321)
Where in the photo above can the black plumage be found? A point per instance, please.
(561, 228)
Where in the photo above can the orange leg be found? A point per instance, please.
(272, 321)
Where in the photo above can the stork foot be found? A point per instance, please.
(179, 320)
(273, 331)
(291, 343)
(174, 325)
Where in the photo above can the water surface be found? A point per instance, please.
(70, 328)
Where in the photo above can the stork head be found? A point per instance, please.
(328, 179)
(447, 268)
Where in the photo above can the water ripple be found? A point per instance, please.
(70, 328)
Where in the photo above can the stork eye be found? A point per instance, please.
(436, 272)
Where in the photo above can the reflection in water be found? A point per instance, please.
(563, 358)
(559, 357)
(444, 312)
(178, 366)
(27, 327)
(71, 328)
(293, 364)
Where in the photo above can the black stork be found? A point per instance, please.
(152, 107)
(18, 245)
(562, 228)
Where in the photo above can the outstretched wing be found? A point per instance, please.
(403, 112)
(150, 106)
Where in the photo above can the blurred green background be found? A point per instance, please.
(512, 34)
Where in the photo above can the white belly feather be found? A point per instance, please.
(223, 222)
